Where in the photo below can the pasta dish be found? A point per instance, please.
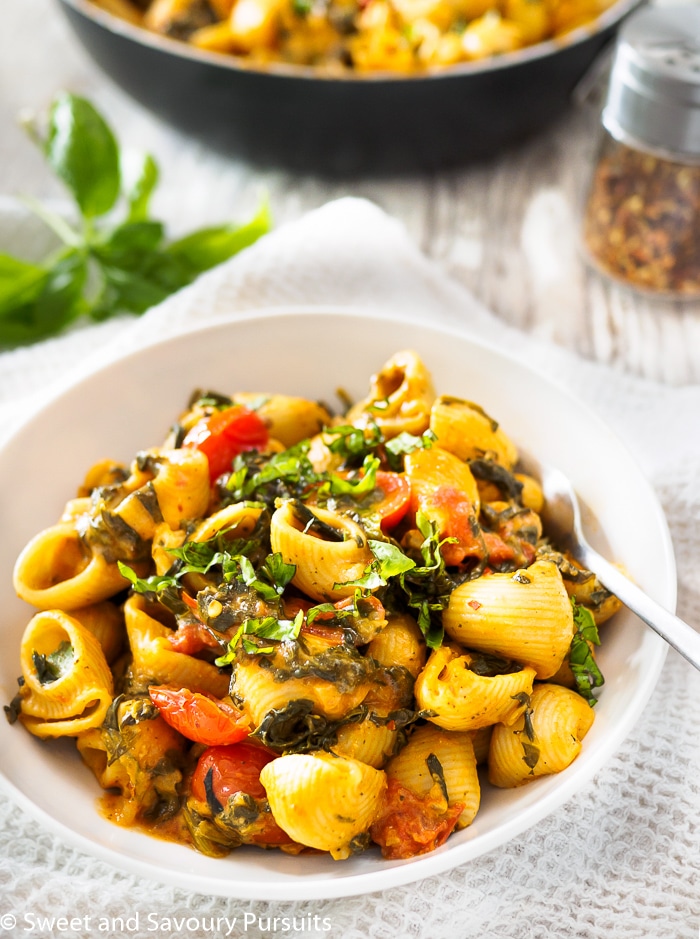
(361, 35)
(308, 631)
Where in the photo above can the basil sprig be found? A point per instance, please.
(586, 673)
(114, 258)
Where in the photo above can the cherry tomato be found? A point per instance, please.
(410, 824)
(225, 434)
(396, 499)
(224, 771)
(233, 769)
(200, 717)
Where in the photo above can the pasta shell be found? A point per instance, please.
(155, 661)
(259, 692)
(142, 773)
(367, 742)
(106, 622)
(531, 495)
(455, 753)
(459, 699)
(289, 419)
(399, 643)
(238, 520)
(322, 566)
(444, 490)
(559, 720)
(181, 485)
(77, 698)
(525, 616)
(432, 470)
(465, 429)
(323, 801)
(54, 571)
(399, 399)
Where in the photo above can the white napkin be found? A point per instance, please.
(621, 857)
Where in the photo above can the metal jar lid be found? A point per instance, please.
(654, 94)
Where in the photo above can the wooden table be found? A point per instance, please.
(506, 229)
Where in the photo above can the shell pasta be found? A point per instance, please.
(291, 629)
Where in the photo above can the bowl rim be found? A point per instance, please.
(437, 862)
(111, 23)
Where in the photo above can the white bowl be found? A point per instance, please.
(129, 405)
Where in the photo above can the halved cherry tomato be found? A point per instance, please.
(200, 717)
(223, 771)
(396, 490)
(225, 434)
(411, 824)
(233, 769)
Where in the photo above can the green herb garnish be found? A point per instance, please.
(267, 627)
(586, 673)
(107, 264)
(406, 443)
(353, 444)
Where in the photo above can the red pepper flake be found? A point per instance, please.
(642, 220)
(474, 604)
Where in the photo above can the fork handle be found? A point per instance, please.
(682, 637)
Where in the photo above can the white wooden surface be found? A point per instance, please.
(506, 229)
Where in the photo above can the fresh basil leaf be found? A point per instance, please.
(358, 486)
(406, 443)
(136, 278)
(277, 572)
(57, 303)
(83, 152)
(284, 475)
(152, 584)
(20, 282)
(138, 194)
(332, 615)
(388, 561)
(390, 558)
(427, 587)
(130, 268)
(352, 443)
(208, 247)
(267, 627)
(132, 237)
(125, 292)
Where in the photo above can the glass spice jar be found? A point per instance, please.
(641, 216)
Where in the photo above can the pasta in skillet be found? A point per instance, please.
(360, 35)
(302, 631)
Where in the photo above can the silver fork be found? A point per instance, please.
(562, 521)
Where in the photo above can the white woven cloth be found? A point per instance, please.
(621, 858)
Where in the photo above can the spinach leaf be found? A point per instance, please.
(51, 667)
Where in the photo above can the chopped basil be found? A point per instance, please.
(585, 670)
(404, 443)
(267, 627)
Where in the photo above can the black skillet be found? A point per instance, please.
(295, 117)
